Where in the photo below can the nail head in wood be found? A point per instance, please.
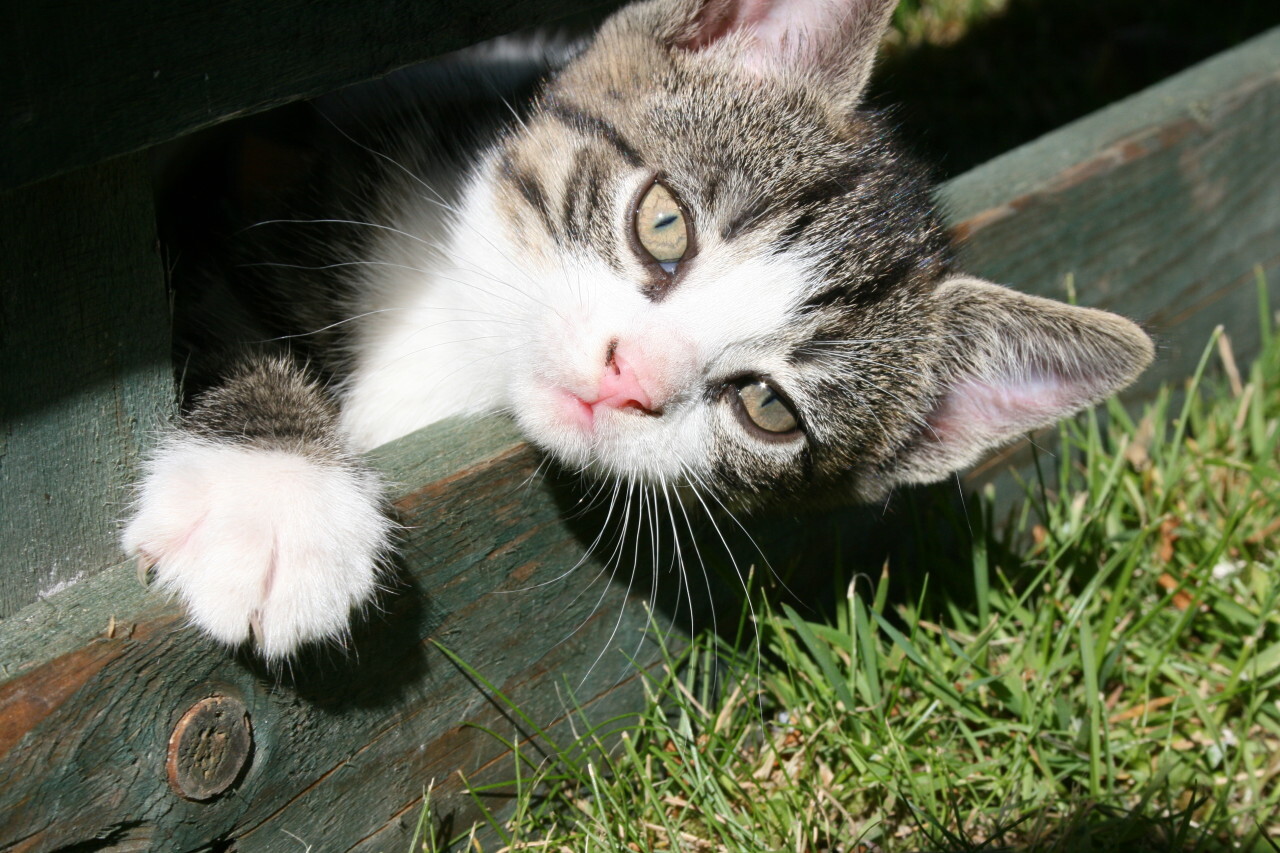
(209, 748)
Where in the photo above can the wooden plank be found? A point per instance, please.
(84, 731)
(142, 72)
(342, 752)
(84, 370)
(1160, 207)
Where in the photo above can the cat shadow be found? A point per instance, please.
(920, 544)
(703, 569)
(382, 662)
(1088, 825)
(710, 576)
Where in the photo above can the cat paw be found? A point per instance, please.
(264, 544)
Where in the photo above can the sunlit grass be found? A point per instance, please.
(937, 22)
(1111, 680)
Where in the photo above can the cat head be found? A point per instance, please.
(741, 283)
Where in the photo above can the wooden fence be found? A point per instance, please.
(1160, 207)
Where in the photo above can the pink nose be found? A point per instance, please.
(620, 387)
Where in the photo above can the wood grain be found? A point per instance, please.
(349, 741)
(1162, 207)
(85, 81)
(84, 370)
(1161, 213)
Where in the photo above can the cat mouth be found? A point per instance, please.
(582, 412)
(604, 437)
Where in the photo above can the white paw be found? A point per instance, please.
(262, 543)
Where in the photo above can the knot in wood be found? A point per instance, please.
(209, 747)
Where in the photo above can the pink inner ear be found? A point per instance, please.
(719, 18)
(835, 37)
(983, 410)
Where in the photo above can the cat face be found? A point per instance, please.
(741, 284)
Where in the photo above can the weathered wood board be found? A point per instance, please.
(92, 80)
(339, 759)
(84, 370)
(1161, 207)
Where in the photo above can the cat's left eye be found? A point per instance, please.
(759, 404)
(661, 227)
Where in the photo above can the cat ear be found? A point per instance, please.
(837, 39)
(1015, 363)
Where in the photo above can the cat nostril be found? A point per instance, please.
(621, 388)
(609, 360)
(635, 406)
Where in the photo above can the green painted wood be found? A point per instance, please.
(84, 81)
(344, 749)
(1161, 215)
(84, 370)
(1160, 206)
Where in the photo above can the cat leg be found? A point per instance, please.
(258, 517)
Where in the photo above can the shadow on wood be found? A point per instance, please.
(1039, 64)
(1160, 206)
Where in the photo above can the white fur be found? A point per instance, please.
(455, 317)
(714, 326)
(262, 540)
(438, 317)
(482, 326)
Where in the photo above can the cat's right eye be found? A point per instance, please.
(661, 227)
(760, 406)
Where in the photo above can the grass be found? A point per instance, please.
(937, 22)
(1101, 672)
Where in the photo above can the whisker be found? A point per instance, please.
(635, 562)
(543, 463)
(682, 575)
(581, 560)
(746, 588)
(388, 159)
(378, 226)
(605, 567)
(727, 511)
(433, 274)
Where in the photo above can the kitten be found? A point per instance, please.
(690, 259)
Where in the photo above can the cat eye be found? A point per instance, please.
(760, 405)
(661, 227)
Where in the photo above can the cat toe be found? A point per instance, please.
(259, 544)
